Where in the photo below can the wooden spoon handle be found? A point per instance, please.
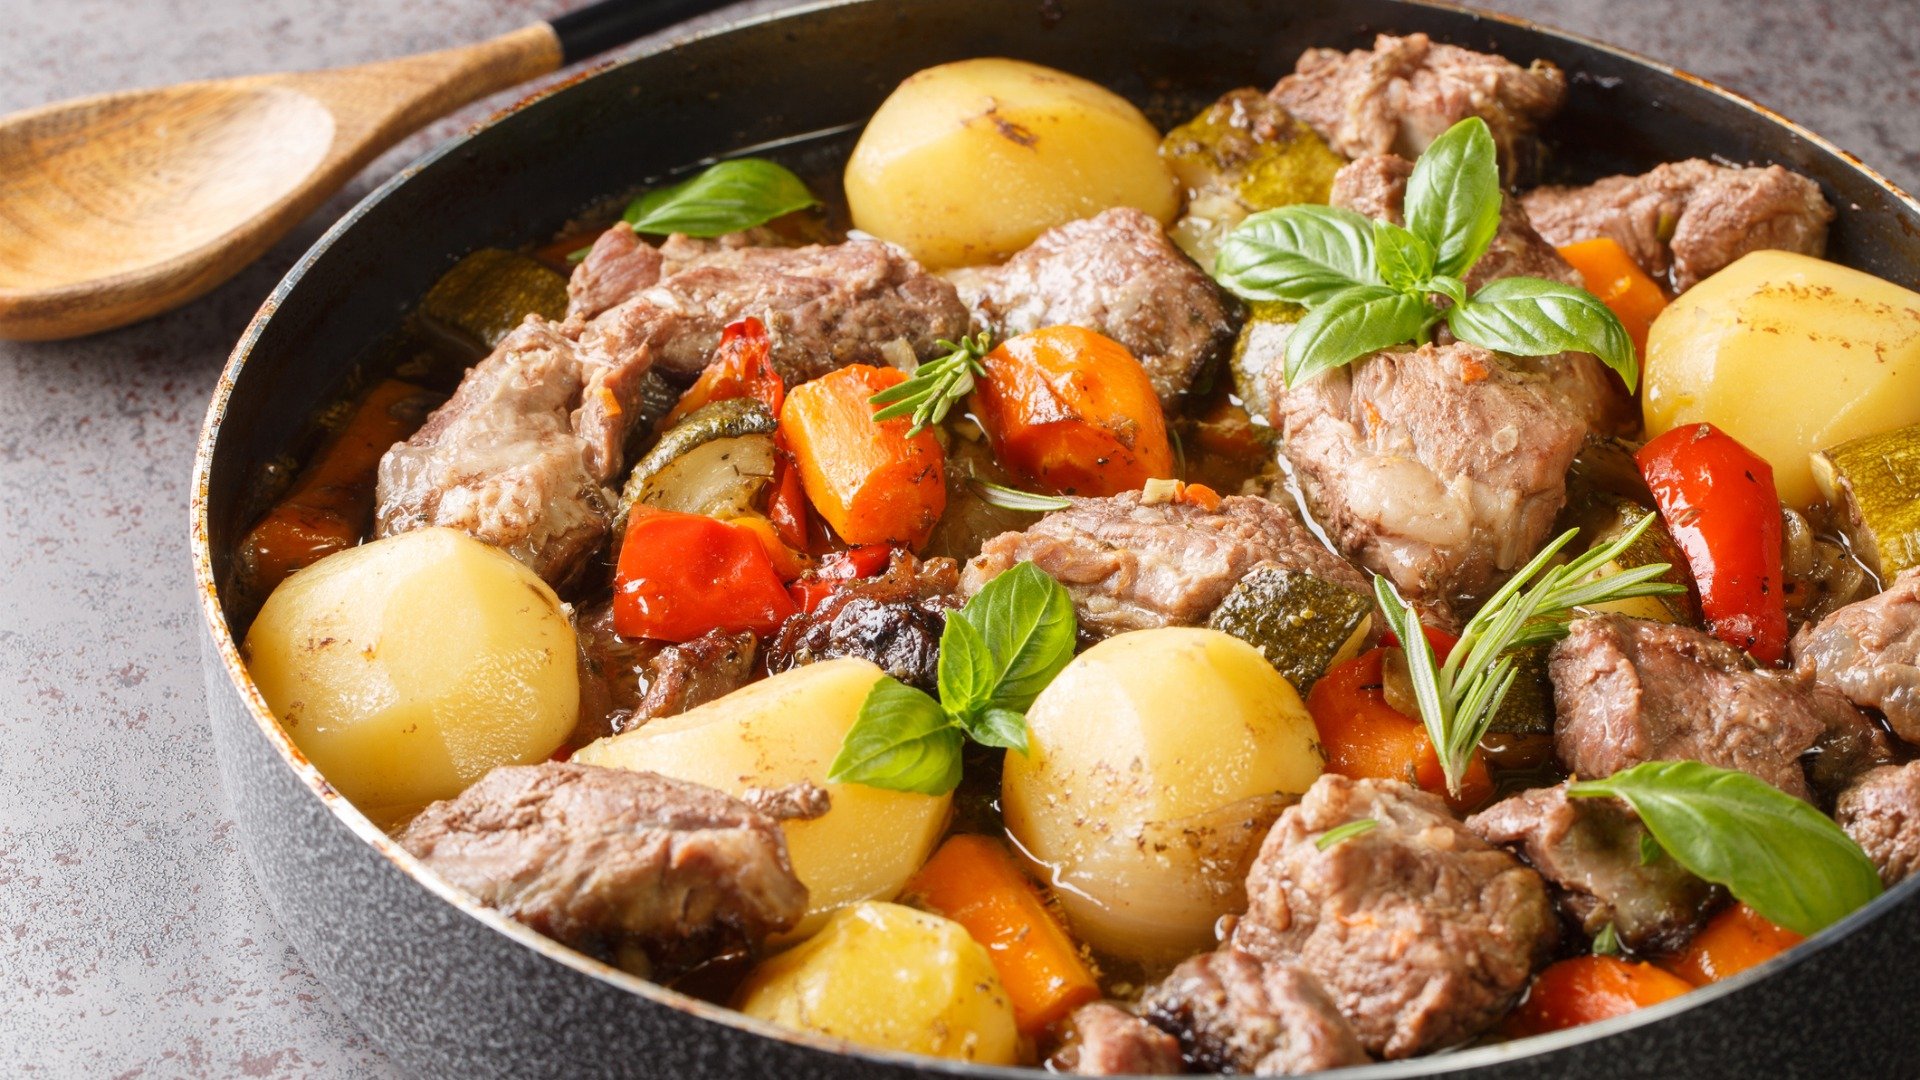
(610, 24)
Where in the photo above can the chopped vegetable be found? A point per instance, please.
(1460, 696)
(741, 367)
(787, 502)
(933, 388)
(975, 882)
(1874, 484)
(1654, 545)
(716, 461)
(682, 575)
(849, 565)
(1717, 499)
(1302, 624)
(1364, 737)
(1776, 853)
(1072, 411)
(1613, 276)
(871, 481)
(1732, 941)
(788, 563)
(329, 505)
(723, 198)
(1241, 154)
(1584, 989)
(1368, 285)
(490, 292)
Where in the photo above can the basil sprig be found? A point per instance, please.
(727, 197)
(1368, 285)
(996, 654)
(1773, 852)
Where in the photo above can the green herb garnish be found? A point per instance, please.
(724, 198)
(1348, 831)
(1007, 498)
(1369, 285)
(1777, 854)
(933, 388)
(1607, 941)
(996, 654)
(1459, 699)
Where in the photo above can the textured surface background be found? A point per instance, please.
(132, 941)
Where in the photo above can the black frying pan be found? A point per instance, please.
(452, 989)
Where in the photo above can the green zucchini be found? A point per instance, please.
(1261, 348)
(715, 462)
(1302, 624)
(490, 292)
(1241, 154)
(1656, 545)
(1873, 486)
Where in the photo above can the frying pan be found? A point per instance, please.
(452, 989)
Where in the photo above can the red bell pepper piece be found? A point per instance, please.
(681, 575)
(868, 560)
(742, 366)
(787, 505)
(1718, 500)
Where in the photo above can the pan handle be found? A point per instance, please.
(611, 23)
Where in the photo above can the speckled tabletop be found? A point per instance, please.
(132, 939)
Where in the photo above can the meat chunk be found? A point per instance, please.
(1851, 745)
(1882, 814)
(613, 862)
(1235, 1014)
(691, 674)
(618, 265)
(1590, 851)
(625, 682)
(1692, 216)
(1869, 651)
(1422, 932)
(1106, 1040)
(894, 620)
(824, 307)
(1117, 274)
(1404, 93)
(1132, 565)
(1441, 467)
(501, 462)
(1628, 691)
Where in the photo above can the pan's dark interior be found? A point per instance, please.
(806, 82)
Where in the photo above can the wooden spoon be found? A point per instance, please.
(119, 207)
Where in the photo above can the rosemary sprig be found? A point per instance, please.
(1458, 699)
(1007, 498)
(934, 386)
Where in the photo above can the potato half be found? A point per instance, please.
(407, 668)
(780, 731)
(968, 162)
(890, 977)
(1788, 354)
(1157, 760)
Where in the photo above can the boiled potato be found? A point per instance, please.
(1788, 354)
(407, 668)
(893, 978)
(967, 162)
(781, 731)
(1156, 762)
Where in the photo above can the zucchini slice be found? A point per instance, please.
(490, 292)
(1261, 348)
(1302, 624)
(1873, 485)
(715, 462)
(1656, 545)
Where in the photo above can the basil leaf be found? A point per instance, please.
(1453, 196)
(902, 741)
(1535, 317)
(1405, 260)
(1026, 620)
(1353, 323)
(1000, 727)
(1304, 254)
(1777, 854)
(727, 197)
(967, 673)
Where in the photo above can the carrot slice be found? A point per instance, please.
(1364, 737)
(974, 881)
(1613, 276)
(1583, 989)
(1732, 941)
(1073, 412)
(870, 480)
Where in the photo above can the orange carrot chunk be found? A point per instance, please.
(1732, 941)
(1584, 989)
(1613, 276)
(1073, 412)
(975, 882)
(1364, 737)
(331, 503)
(871, 481)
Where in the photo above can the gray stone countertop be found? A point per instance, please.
(132, 939)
